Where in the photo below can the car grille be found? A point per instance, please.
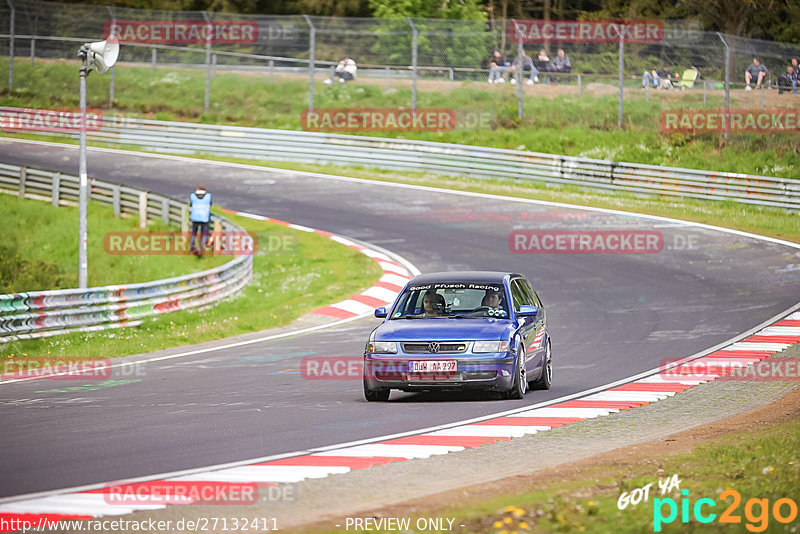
(433, 347)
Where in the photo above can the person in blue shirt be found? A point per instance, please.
(200, 213)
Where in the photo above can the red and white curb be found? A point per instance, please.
(319, 463)
(395, 276)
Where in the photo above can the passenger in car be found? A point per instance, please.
(433, 304)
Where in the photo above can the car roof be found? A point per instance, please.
(466, 276)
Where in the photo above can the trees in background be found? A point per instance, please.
(764, 19)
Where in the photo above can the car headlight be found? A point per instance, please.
(383, 347)
(490, 346)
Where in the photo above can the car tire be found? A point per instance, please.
(520, 384)
(376, 395)
(546, 379)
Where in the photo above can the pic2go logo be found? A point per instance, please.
(756, 511)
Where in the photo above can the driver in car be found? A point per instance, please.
(492, 299)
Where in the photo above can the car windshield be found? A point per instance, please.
(452, 300)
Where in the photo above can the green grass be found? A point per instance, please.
(762, 465)
(39, 249)
(304, 272)
(585, 127)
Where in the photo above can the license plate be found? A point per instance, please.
(432, 366)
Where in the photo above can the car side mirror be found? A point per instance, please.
(380, 313)
(527, 311)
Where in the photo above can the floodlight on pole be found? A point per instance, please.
(99, 56)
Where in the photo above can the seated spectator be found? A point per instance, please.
(796, 77)
(661, 78)
(541, 63)
(345, 71)
(497, 66)
(757, 72)
(787, 81)
(525, 62)
(560, 64)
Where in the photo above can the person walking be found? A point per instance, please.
(200, 213)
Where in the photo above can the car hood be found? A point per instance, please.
(442, 329)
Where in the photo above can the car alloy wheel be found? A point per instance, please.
(546, 380)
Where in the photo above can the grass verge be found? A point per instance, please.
(38, 249)
(298, 273)
(556, 120)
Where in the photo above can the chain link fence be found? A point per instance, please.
(417, 54)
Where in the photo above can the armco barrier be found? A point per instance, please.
(49, 313)
(443, 158)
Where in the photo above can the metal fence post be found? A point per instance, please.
(727, 85)
(271, 69)
(184, 218)
(762, 96)
(579, 85)
(207, 96)
(23, 176)
(113, 67)
(115, 200)
(621, 73)
(414, 50)
(55, 188)
(213, 66)
(451, 77)
(11, 46)
(388, 85)
(143, 209)
(312, 45)
(153, 54)
(518, 72)
(33, 50)
(165, 211)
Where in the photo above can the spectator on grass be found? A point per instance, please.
(796, 76)
(757, 72)
(345, 71)
(787, 81)
(541, 63)
(524, 62)
(561, 64)
(660, 79)
(200, 214)
(497, 67)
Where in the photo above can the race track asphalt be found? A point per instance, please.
(610, 316)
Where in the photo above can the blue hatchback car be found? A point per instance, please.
(460, 330)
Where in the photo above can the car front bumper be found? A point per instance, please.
(494, 372)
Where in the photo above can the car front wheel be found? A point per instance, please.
(546, 379)
(520, 385)
(376, 395)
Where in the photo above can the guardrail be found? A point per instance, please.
(444, 158)
(48, 313)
